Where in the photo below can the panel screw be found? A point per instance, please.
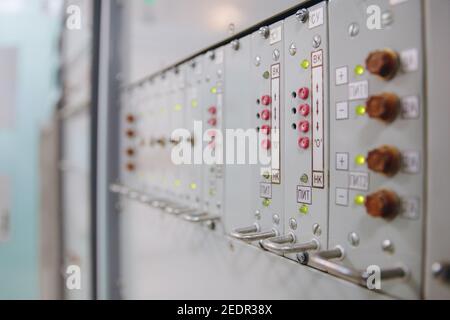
(293, 224)
(292, 49)
(303, 258)
(302, 15)
(211, 55)
(387, 246)
(257, 61)
(235, 45)
(317, 230)
(353, 30)
(276, 219)
(264, 32)
(353, 239)
(258, 215)
(317, 41)
(387, 18)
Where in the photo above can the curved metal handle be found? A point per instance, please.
(179, 210)
(286, 244)
(322, 262)
(199, 217)
(250, 234)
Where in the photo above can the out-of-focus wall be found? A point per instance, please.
(31, 27)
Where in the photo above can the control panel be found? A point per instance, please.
(304, 137)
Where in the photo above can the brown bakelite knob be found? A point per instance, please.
(130, 152)
(130, 118)
(384, 107)
(383, 63)
(130, 133)
(386, 160)
(131, 167)
(382, 204)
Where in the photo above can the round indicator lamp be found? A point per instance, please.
(360, 160)
(360, 200)
(359, 70)
(305, 64)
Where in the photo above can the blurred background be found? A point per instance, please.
(57, 58)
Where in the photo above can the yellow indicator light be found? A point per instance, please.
(193, 186)
(177, 183)
(359, 70)
(213, 90)
(360, 200)
(304, 209)
(361, 110)
(266, 202)
(305, 64)
(266, 75)
(360, 160)
(194, 103)
(178, 107)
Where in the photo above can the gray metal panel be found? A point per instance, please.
(299, 162)
(357, 135)
(438, 180)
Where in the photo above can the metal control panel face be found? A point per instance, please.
(334, 97)
(212, 115)
(377, 139)
(267, 83)
(306, 126)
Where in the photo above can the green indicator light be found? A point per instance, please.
(304, 178)
(360, 160)
(305, 64)
(193, 186)
(266, 175)
(304, 209)
(266, 75)
(361, 110)
(178, 107)
(194, 103)
(359, 70)
(360, 200)
(212, 192)
(177, 183)
(213, 90)
(266, 202)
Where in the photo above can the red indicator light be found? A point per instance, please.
(266, 144)
(266, 100)
(265, 129)
(304, 110)
(303, 126)
(303, 143)
(303, 93)
(265, 115)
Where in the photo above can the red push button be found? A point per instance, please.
(304, 110)
(304, 126)
(265, 115)
(265, 129)
(303, 143)
(266, 144)
(212, 110)
(303, 93)
(266, 100)
(212, 122)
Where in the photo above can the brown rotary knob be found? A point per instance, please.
(384, 107)
(131, 118)
(130, 133)
(383, 63)
(382, 204)
(131, 167)
(130, 152)
(385, 160)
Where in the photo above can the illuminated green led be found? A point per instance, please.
(305, 64)
(359, 70)
(361, 110)
(360, 160)
(177, 183)
(194, 103)
(193, 186)
(304, 209)
(266, 202)
(360, 200)
(266, 75)
(178, 107)
(213, 90)
(304, 178)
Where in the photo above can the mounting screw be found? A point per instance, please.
(264, 32)
(317, 41)
(235, 45)
(292, 49)
(353, 239)
(293, 224)
(302, 15)
(303, 258)
(317, 230)
(353, 30)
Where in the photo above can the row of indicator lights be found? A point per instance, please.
(130, 119)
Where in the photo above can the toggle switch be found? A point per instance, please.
(382, 204)
(212, 122)
(212, 110)
(303, 143)
(304, 110)
(383, 63)
(384, 107)
(385, 160)
(265, 115)
(266, 129)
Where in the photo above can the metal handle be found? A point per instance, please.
(199, 217)
(286, 244)
(250, 234)
(321, 261)
(179, 210)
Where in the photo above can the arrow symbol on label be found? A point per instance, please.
(317, 106)
(317, 126)
(317, 87)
